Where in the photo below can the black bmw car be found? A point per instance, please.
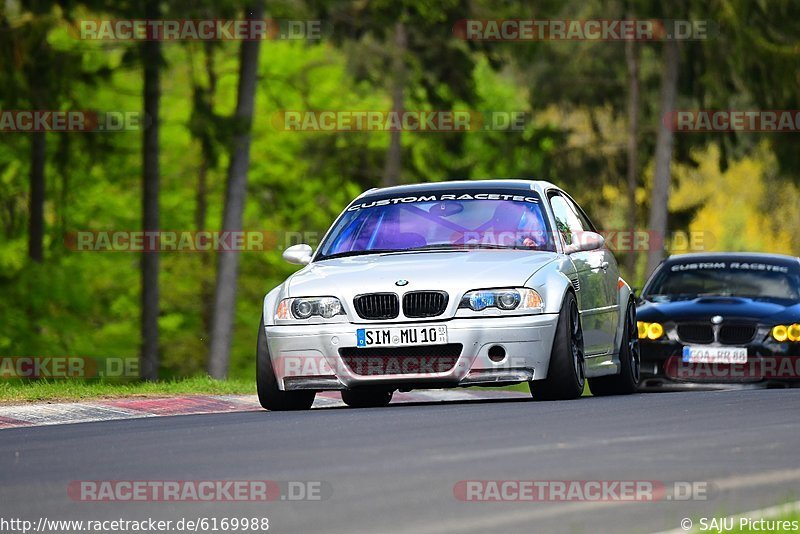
(721, 318)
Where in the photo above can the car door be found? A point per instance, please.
(611, 310)
(592, 267)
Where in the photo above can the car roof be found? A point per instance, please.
(505, 183)
(735, 256)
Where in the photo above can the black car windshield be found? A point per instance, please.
(440, 220)
(750, 279)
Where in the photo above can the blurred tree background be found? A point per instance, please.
(594, 112)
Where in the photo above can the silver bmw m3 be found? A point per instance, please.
(450, 284)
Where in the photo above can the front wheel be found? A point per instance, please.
(565, 376)
(269, 395)
(627, 380)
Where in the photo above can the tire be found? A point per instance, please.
(366, 398)
(270, 397)
(627, 380)
(566, 374)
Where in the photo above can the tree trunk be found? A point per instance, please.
(663, 157)
(632, 60)
(62, 164)
(205, 141)
(38, 78)
(228, 262)
(394, 155)
(201, 195)
(151, 58)
(37, 185)
(206, 292)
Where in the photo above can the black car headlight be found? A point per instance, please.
(307, 307)
(513, 299)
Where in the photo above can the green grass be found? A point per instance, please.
(793, 519)
(774, 519)
(790, 516)
(15, 392)
(523, 387)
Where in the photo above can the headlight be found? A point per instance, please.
(503, 299)
(780, 333)
(783, 332)
(793, 332)
(651, 331)
(303, 308)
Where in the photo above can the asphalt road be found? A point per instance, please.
(394, 469)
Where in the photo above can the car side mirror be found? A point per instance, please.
(298, 254)
(584, 242)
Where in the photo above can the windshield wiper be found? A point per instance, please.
(359, 253)
(466, 246)
(433, 246)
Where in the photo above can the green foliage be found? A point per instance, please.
(66, 390)
(573, 94)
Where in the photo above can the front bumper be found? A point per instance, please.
(308, 356)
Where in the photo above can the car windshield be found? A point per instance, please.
(757, 280)
(440, 221)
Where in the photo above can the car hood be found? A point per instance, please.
(448, 270)
(703, 308)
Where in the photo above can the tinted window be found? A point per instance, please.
(567, 220)
(586, 224)
(756, 279)
(495, 219)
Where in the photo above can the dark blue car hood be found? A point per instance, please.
(731, 308)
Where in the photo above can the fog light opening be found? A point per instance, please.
(497, 353)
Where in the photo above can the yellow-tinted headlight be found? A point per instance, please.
(650, 331)
(642, 329)
(654, 331)
(780, 333)
(793, 332)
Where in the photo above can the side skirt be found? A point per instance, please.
(602, 364)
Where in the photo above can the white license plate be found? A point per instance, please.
(401, 337)
(697, 354)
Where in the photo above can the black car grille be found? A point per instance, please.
(729, 334)
(696, 333)
(377, 306)
(736, 334)
(428, 359)
(424, 303)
